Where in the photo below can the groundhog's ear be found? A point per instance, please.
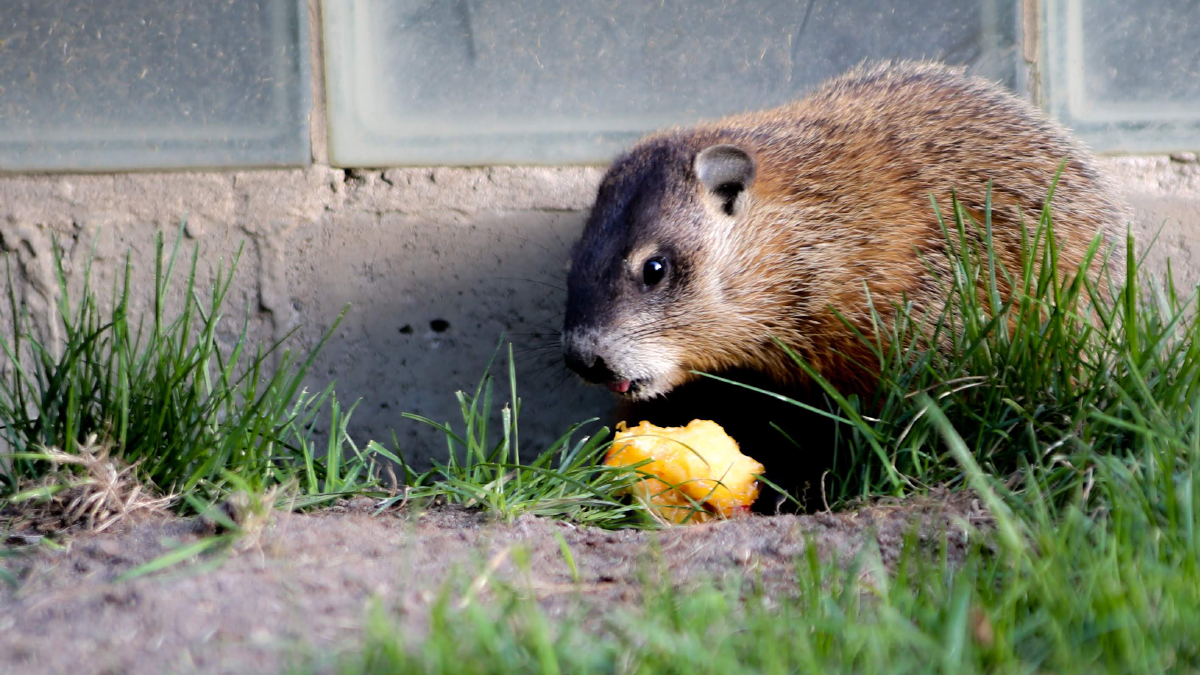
(725, 171)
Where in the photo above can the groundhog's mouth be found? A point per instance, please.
(620, 386)
(636, 388)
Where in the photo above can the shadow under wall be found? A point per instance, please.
(432, 297)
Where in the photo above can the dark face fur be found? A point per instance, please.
(646, 297)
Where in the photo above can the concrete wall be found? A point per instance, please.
(438, 263)
(1165, 195)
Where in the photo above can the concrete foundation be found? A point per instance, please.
(437, 263)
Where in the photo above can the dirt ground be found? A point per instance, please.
(301, 590)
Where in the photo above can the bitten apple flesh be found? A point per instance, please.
(695, 473)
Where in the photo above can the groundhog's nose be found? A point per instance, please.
(589, 366)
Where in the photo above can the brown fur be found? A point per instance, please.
(840, 197)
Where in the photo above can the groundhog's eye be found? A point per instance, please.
(654, 270)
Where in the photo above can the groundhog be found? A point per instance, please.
(706, 243)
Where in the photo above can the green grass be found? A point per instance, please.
(1078, 429)
(194, 416)
(1101, 583)
(201, 419)
(565, 480)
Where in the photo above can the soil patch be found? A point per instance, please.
(301, 589)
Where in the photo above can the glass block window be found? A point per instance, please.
(1125, 76)
(88, 85)
(553, 81)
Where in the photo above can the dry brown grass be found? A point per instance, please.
(87, 489)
